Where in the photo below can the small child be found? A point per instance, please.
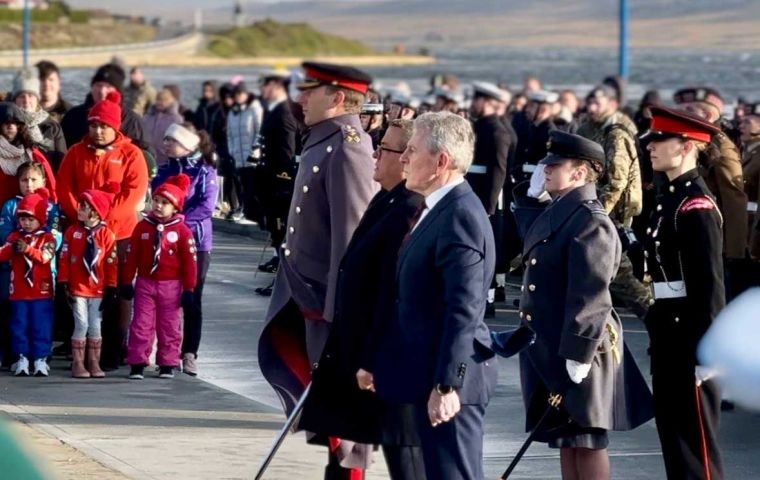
(30, 249)
(88, 274)
(163, 254)
(31, 176)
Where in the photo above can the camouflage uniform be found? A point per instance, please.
(621, 195)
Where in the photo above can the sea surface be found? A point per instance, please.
(734, 74)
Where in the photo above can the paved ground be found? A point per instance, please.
(219, 425)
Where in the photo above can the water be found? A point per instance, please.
(732, 73)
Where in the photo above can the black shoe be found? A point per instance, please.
(271, 266)
(137, 372)
(490, 310)
(500, 295)
(264, 291)
(165, 372)
(727, 406)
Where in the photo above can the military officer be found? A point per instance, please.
(277, 139)
(683, 250)
(720, 165)
(332, 190)
(533, 128)
(571, 253)
(495, 144)
(749, 129)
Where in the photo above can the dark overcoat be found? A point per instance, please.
(571, 255)
(364, 302)
(332, 190)
(495, 144)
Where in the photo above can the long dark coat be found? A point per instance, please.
(571, 255)
(332, 190)
(364, 302)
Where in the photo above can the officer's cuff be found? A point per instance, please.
(579, 348)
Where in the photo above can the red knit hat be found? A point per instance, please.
(107, 111)
(101, 199)
(35, 205)
(174, 189)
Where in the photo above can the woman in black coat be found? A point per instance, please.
(571, 254)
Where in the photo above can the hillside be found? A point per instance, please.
(270, 38)
(50, 35)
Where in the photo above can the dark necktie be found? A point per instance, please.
(413, 221)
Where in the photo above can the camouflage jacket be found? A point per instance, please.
(620, 187)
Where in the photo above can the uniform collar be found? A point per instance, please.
(330, 126)
(682, 182)
(564, 206)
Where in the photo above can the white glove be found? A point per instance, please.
(577, 370)
(537, 181)
(703, 374)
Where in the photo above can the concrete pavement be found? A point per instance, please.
(219, 425)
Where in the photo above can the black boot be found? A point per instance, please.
(490, 310)
(265, 291)
(271, 266)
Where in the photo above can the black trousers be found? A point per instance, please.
(116, 320)
(453, 450)
(404, 462)
(193, 316)
(233, 189)
(687, 420)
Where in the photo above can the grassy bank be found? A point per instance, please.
(74, 35)
(269, 39)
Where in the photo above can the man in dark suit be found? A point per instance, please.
(436, 352)
(342, 402)
(277, 140)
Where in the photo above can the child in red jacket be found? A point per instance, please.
(30, 250)
(87, 271)
(162, 253)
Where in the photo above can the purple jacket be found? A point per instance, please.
(201, 197)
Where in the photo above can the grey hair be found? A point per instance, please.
(450, 133)
(406, 127)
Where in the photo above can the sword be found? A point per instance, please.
(554, 401)
(283, 433)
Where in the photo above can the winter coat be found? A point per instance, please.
(37, 283)
(139, 98)
(201, 197)
(243, 125)
(86, 167)
(72, 268)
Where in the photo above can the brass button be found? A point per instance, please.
(522, 288)
(659, 207)
(688, 184)
(671, 189)
(315, 169)
(528, 317)
(533, 261)
(651, 301)
(298, 210)
(521, 314)
(532, 287)
(292, 230)
(677, 319)
(305, 189)
(284, 245)
(287, 252)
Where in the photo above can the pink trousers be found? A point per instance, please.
(157, 311)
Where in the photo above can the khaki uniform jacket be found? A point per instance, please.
(721, 167)
(751, 171)
(620, 188)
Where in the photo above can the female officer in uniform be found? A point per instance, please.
(571, 254)
(684, 246)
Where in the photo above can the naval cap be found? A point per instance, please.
(543, 96)
(750, 109)
(699, 94)
(489, 90)
(672, 123)
(344, 76)
(567, 146)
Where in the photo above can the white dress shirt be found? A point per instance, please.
(435, 197)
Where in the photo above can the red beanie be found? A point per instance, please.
(35, 205)
(101, 199)
(174, 189)
(107, 111)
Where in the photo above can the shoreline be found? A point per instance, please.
(163, 60)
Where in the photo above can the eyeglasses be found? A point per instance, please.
(381, 149)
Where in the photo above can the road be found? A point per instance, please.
(234, 318)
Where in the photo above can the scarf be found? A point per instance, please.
(11, 156)
(92, 253)
(29, 272)
(33, 121)
(160, 227)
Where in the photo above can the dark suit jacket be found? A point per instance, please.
(495, 144)
(437, 335)
(363, 304)
(278, 139)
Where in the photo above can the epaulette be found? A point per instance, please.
(350, 134)
(594, 206)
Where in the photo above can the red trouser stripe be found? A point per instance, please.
(292, 352)
(355, 473)
(705, 454)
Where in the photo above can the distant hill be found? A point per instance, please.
(270, 38)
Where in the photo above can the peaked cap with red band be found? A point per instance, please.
(318, 74)
(671, 123)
